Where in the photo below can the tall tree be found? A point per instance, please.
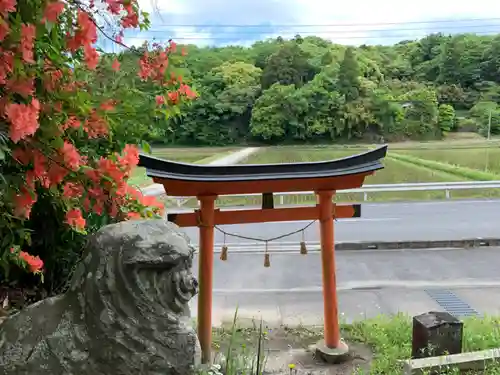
(288, 66)
(349, 83)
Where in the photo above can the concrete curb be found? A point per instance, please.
(439, 244)
(376, 245)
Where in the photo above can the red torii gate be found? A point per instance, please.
(207, 182)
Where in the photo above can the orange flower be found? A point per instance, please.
(160, 99)
(28, 42)
(133, 215)
(4, 29)
(23, 119)
(35, 264)
(23, 86)
(71, 156)
(91, 57)
(74, 218)
(72, 190)
(7, 6)
(116, 65)
(23, 202)
(52, 11)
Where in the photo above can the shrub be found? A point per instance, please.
(64, 163)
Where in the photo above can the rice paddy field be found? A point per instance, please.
(485, 159)
(412, 162)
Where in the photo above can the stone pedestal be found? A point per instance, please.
(332, 355)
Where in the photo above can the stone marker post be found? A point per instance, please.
(435, 334)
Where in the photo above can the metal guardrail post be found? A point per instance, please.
(403, 187)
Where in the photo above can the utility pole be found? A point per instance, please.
(487, 149)
(489, 125)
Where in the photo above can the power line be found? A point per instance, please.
(338, 24)
(329, 31)
(275, 34)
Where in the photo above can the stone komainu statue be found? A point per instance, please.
(126, 310)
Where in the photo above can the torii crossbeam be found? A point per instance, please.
(207, 182)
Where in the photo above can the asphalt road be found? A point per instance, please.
(444, 220)
(370, 282)
(358, 269)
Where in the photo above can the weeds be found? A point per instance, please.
(389, 338)
(239, 359)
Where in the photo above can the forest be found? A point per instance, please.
(311, 90)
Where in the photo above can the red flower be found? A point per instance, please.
(133, 215)
(35, 264)
(75, 219)
(23, 86)
(116, 65)
(7, 6)
(72, 190)
(71, 156)
(52, 11)
(23, 202)
(6, 64)
(160, 99)
(72, 122)
(4, 29)
(23, 119)
(108, 105)
(28, 42)
(91, 57)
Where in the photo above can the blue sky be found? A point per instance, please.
(203, 22)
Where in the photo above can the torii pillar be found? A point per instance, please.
(206, 183)
(331, 349)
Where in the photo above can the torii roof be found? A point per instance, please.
(183, 179)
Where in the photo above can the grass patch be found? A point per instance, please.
(485, 159)
(388, 337)
(290, 154)
(214, 157)
(461, 172)
(453, 141)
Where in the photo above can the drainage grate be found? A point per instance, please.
(451, 303)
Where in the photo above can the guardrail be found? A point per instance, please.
(447, 187)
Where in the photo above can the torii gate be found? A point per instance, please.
(207, 182)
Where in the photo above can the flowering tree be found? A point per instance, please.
(64, 161)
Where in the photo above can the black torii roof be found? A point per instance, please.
(366, 162)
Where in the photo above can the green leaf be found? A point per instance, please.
(2, 154)
(146, 146)
(57, 142)
(49, 26)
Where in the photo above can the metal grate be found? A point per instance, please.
(451, 303)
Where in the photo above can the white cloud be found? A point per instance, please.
(171, 7)
(347, 22)
(385, 11)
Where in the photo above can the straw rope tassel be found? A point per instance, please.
(303, 247)
(267, 259)
(223, 254)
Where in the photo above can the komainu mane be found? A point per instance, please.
(126, 310)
